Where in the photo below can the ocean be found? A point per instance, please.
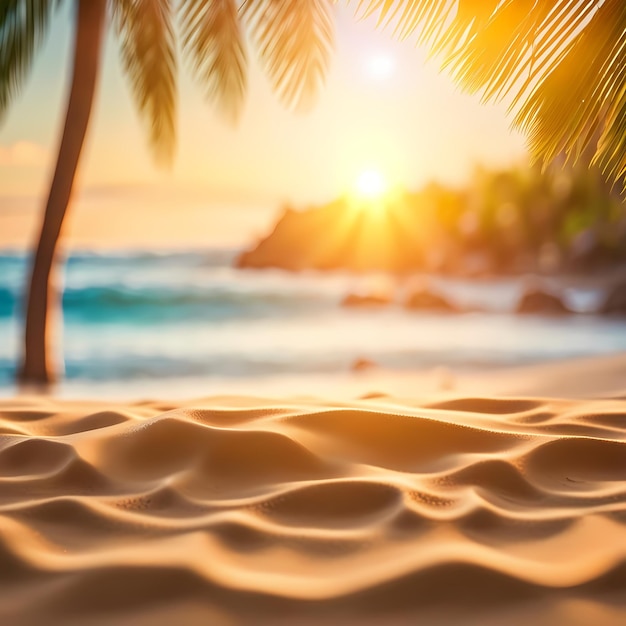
(190, 323)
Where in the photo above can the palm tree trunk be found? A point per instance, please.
(42, 297)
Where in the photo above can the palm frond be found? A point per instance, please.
(294, 40)
(23, 24)
(213, 42)
(583, 96)
(559, 63)
(148, 48)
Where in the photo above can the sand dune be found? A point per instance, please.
(248, 511)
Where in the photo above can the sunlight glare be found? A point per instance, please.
(371, 185)
(380, 66)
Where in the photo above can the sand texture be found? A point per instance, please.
(377, 511)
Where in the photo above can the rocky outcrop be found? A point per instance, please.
(338, 237)
(288, 246)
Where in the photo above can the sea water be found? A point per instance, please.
(175, 322)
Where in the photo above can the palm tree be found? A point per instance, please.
(293, 39)
(559, 63)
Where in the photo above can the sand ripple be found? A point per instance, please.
(234, 511)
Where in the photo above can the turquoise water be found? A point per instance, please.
(183, 318)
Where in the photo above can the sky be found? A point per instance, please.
(384, 107)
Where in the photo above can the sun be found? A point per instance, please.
(380, 66)
(371, 185)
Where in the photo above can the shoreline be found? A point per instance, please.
(586, 377)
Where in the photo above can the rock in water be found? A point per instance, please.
(362, 364)
(615, 303)
(365, 300)
(426, 300)
(537, 301)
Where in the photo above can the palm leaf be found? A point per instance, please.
(559, 63)
(294, 40)
(583, 95)
(148, 49)
(213, 42)
(23, 23)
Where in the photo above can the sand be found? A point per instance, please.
(233, 510)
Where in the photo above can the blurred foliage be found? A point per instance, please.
(520, 219)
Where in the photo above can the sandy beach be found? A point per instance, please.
(352, 353)
(240, 510)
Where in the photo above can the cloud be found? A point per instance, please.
(23, 154)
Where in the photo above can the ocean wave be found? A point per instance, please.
(138, 304)
(164, 316)
(8, 302)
